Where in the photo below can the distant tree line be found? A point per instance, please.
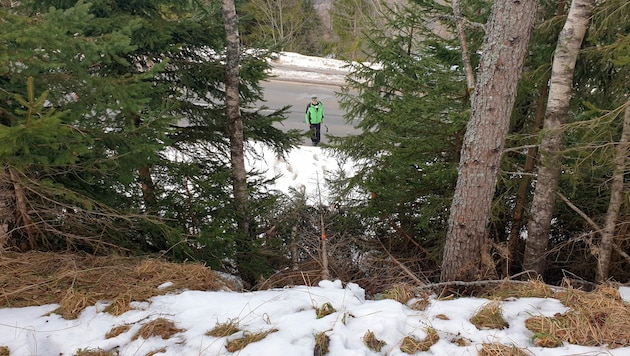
(298, 26)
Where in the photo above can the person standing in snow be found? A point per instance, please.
(315, 118)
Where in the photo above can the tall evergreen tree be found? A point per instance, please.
(60, 51)
(144, 83)
(408, 104)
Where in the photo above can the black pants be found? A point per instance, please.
(316, 133)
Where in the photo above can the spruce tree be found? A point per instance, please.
(143, 83)
(409, 105)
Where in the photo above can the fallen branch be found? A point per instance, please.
(483, 283)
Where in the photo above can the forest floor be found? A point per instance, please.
(75, 282)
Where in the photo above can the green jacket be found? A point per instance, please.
(314, 113)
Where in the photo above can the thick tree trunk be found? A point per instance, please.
(505, 45)
(616, 199)
(567, 50)
(234, 119)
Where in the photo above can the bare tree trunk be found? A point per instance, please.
(515, 244)
(514, 239)
(505, 45)
(459, 24)
(234, 119)
(144, 175)
(7, 208)
(325, 270)
(616, 199)
(26, 236)
(567, 50)
(324, 241)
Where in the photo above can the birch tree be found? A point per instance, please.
(234, 119)
(616, 199)
(505, 45)
(567, 49)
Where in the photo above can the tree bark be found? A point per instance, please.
(27, 230)
(505, 45)
(324, 244)
(459, 25)
(144, 175)
(7, 208)
(234, 118)
(515, 244)
(567, 50)
(616, 199)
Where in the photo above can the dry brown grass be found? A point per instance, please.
(72, 304)
(502, 350)
(4, 351)
(420, 304)
(373, 343)
(545, 330)
(93, 352)
(161, 327)
(421, 301)
(224, 329)
(322, 344)
(75, 281)
(489, 317)
(461, 341)
(325, 309)
(531, 289)
(595, 318)
(401, 293)
(246, 339)
(115, 331)
(160, 351)
(411, 345)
